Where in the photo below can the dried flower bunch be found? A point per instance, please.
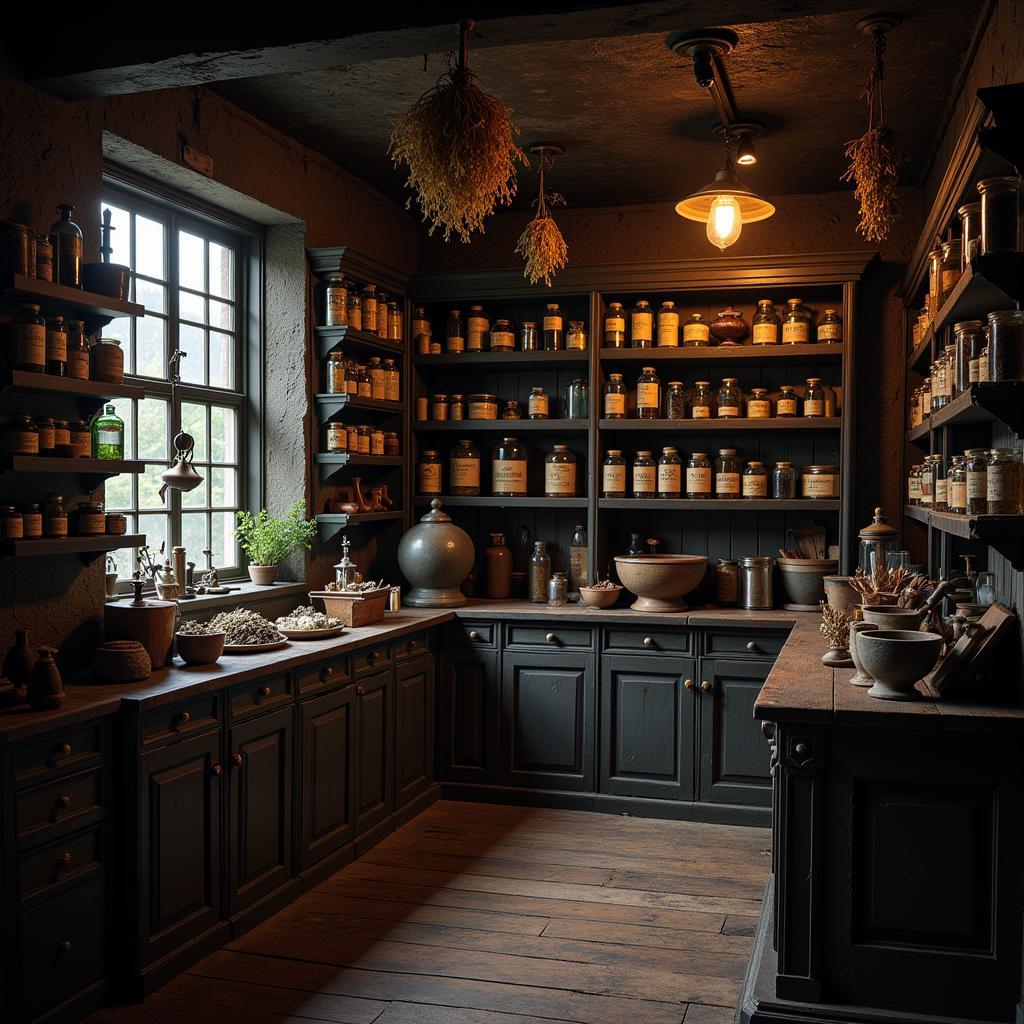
(459, 146)
(240, 627)
(882, 585)
(834, 627)
(541, 245)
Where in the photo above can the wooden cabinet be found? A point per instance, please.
(647, 726)
(414, 729)
(179, 836)
(469, 712)
(260, 807)
(327, 743)
(734, 758)
(374, 777)
(548, 720)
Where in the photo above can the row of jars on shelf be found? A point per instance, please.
(574, 404)
(982, 481)
(379, 378)
(508, 471)
(726, 477)
(51, 520)
(476, 333)
(50, 345)
(55, 256)
(360, 440)
(366, 309)
(22, 434)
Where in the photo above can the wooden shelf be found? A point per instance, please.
(507, 360)
(332, 523)
(726, 354)
(990, 282)
(44, 383)
(56, 298)
(88, 547)
(921, 350)
(510, 428)
(330, 338)
(93, 471)
(723, 504)
(486, 501)
(330, 405)
(986, 402)
(330, 463)
(717, 425)
(1004, 533)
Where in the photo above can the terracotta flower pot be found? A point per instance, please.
(263, 575)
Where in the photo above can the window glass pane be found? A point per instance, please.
(155, 529)
(191, 263)
(149, 247)
(196, 498)
(149, 486)
(124, 558)
(225, 550)
(193, 421)
(150, 356)
(192, 342)
(191, 307)
(222, 315)
(223, 488)
(117, 492)
(223, 430)
(194, 536)
(153, 429)
(222, 363)
(152, 296)
(222, 271)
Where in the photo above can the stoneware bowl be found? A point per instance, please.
(660, 582)
(200, 648)
(803, 580)
(896, 659)
(600, 597)
(888, 616)
(841, 596)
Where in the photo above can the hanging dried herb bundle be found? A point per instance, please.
(874, 158)
(541, 245)
(459, 146)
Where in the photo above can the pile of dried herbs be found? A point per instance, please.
(541, 245)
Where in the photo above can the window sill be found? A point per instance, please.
(243, 594)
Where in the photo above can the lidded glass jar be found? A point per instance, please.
(20, 436)
(702, 400)
(477, 326)
(392, 381)
(335, 300)
(355, 310)
(538, 404)
(420, 321)
(554, 328)
(648, 394)
(560, 473)
(539, 573)
(934, 282)
(641, 325)
(830, 328)
(730, 399)
(613, 474)
(528, 341)
(575, 400)
(1000, 214)
(970, 232)
(56, 346)
(337, 437)
(370, 303)
(558, 590)
(457, 407)
(696, 331)
(455, 332)
(108, 435)
(375, 368)
(788, 402)
(940, 397)
(755, 480)
(1006, 344)
(759, 405)
(668, 325)
(876, 540)
(726, 581)
(940, 484)
(107, 361)
(508, 468)
(89, 518)
(336, 374)
(927, 483)
(645, 475)
(29, 339)
(364, 382)
(503, 336)
(784, 480)
(576, 336)
(727, 474)
(796, 324)
(949, 269)
(47, 437)
(765, 326)
(615, 326)
(698, 476)
(969, 338)
(976, 466)
(1003, 482)
(670, 473)
(675, 400)
(814, 398)
(614, 397)
(382, 315)
(956, 485)
(55, 516)
(464, 469)
(511, 410)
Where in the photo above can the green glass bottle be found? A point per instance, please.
(108, 435)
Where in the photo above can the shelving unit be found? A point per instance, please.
(332, 523)
(96, 310)
(92, 471)
(89, 548)
(728, 426)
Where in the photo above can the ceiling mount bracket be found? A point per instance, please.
(546, 148)
(706, 47)
(875, 23)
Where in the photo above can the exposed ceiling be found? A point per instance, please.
(635, 125)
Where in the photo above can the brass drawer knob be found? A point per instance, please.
(372, 657)
(648, 641)
(751, 645)
(801, 749)
(551, 638)
(360, 691)
(64, 801)
(326, 672)
(413, 644)
(216, 768)
(688, 683)
(64, 859)
(474, 635)
(65, 749)
(65, 946)
(236, 759)
(184, 718)
(705, 686)
(264, 691)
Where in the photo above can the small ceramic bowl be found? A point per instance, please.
(888, 616)
(600, 597)
(896, 659)
(200, 648)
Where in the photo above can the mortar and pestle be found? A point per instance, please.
(106, 278)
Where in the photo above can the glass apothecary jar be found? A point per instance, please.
(336, 438)
(455, 332)
(759, 405)
(788, 402)
(755, 480)
(12, 523)
(335, 301)
(28, 335)
(730, 399)
(1003, 482)
(508, 468)
(1006, 345)
(511, 410)
(477, 326)
(615, 326)
(503, 336)
(464, 469)
(560, 473)
(934, 283)
(47, 437)
(107, 361)
(702, 401)
(614, 397)
(784, 481)
(814, 398)
(538, 404)
(727, 474)
(576, 400)
(648, 394)
(554, 328)
(369, 305)
(927, 483)
(56, 346)
(956, 485)
(876, 540)
(81, 439)
(819, 481)
(439, 407)
(539, 573)
(1000, 214)
(765, 326)
(613, 474)
(668, 325)
(939, 392)
(968, 340)
(830, 328)
(796, 324)
(645, 475)
(420, 321)
(698, 476)
(20, 436)
(55, 516)
(558, 590)
(670, 473)
(576, 336)
(675, 400)
(641, 325)
(482, 407)
(976, 466)
(355, 310)
(528, 340)
(970, 232)
(940, 484)
(696, 331)
(949, 269)
(726, 581)
(108, 435)
(336, 374)
(89, 519)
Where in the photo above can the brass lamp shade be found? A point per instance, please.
(697, 206)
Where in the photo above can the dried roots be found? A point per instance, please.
(874, 168)
(543, 248)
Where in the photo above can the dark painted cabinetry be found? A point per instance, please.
(469, 708)
(374, 775)
(414, 729)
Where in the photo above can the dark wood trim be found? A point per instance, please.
(325, 259)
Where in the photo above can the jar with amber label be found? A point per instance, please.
(554, 328)
(538, 404)
(511, 410)
(576, 336)
(107, 361)
(730, 399)
(648, 394)
(614, 397)
(1003, 482)
(78, 351)
(668, 325)
(788, 402)
(439, 407)
(335, 301)
(796, 325)
(914, 485)
(12, 525)
(759, 405)
(394, 322)
(483, 407)
(428, 473)
(28, 334)
(615, 326)
(727, 474)
(765, 325)
(455, 332)
(55, 517)
(47, 440)
(613, 474)
(560, 473)
(337, 437)
(32, 521)
(376, 371)
(726, 581)
(56, 346)
(670, 474)
(20, 436)
(645, 475)
(814, 398)
(977, 481)
(696, 331)
(755, 480)
(382, 315)
(464, 469)
(355, 310)
(457, 407)
(89, 519)
(44, 258)
(957, 485)
(819, 482)
(698, 476)
(62, 438)
(949, 269)
(420, 321)
(477, 326)
(81, 440)
(376, 441)
(116, 523)
(392, 446)
(830, 328)
(508, 468)
(392, 381)
(369, 298)
(362, 439)
(702, 401)
(503, 337)
(336, 374)
(641, 325)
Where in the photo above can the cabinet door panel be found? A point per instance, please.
(470, 710)
(328, 749)
(548, 701)
(647, 726)
(734, 758)
(260, 815)
(414, 729)
(374, 780)
(179, 844)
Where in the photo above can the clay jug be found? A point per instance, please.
(45, 687)
(497, 569)
(20, 660)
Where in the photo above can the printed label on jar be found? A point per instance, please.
(670, 479)
(755, 486)
(615, 405)
(57, 346)
(429, 478)
(483, 410)
(613, 479)
(508, 476)
(643, 325)
(91, 522)
(728, 410)
(465, 472)
(830, 332)
(821, 485)
(696, 332)
(552, 323)
(940, 492)
(337, 307)
(727, 485)
(476, 329)
(648, 395)
(55, 526)
(795, 333)
(766, 334)
(786, 406)
(615, 325)
(30, 344)
(698, 481)
(108, 435)
(456, 344)
(1002, 482)
(958, 494)
(983, 367)
(21, 442)
(974, 370)
(701, 412)
(668, 329)
(538, 405)
(560, 478)
(948, 280)
(645, 479)
(759, 408)
(977, 485)
(814, 407)
(439, 410)
(914, 489)
(502, 339)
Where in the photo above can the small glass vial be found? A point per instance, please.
(78, 351)
(503, 336)
(355, 310)
(56, 346)
(47, 437)
(730, 399)
(696, 331)
(382, 315)
(12, 523)
(560, 473)
(528, 341)
(1003, 482)
(615, 326)
(727, 474)
(784, 481)
(645, 475)
(508, 469)
(455, 332)
(675, 400)
(956, 483)
(726, 581)
(614, 397)
(20, 436)
(336, 374)
(755, 480)
(576, 336)
(796, 325)
(765, 325)
(977, 481)
(428, 472)
(457, 407)
(337, 437)
(29, 339)
(539, 573)
(641, 325)
(538, 404)
(830, 328)
(464, 469)
(394, 321)
(369, 297)
(788, 402)
(698, 476)
(668, 325)
(814, 398)
(511, 410)
(648, 394)
(558, 590)
(335, 301)
(702, 400)
(759, 405)
(477, 326)
(554, 328)
(670, 473)
(439, 407)
(914, 485)
(613, 474)
(55, 516)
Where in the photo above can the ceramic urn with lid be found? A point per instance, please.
(435, 556)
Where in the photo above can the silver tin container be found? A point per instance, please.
(755, 582)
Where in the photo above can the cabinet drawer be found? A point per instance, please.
(54, 865)
(62, 948)
(371, 659)
(65, 800)
(326, 676)
(664, 641)
(62, 753)
(576, 638)
(259, 695)
(744, 643)
(411, 647)
(475, 634)
(178, 720)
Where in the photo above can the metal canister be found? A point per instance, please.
(755, 582)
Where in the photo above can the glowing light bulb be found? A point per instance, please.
(725, 221)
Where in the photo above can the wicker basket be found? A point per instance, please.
(121, 661)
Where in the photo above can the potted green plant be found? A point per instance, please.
(268, 542)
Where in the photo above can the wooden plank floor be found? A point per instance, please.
(481, 914)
